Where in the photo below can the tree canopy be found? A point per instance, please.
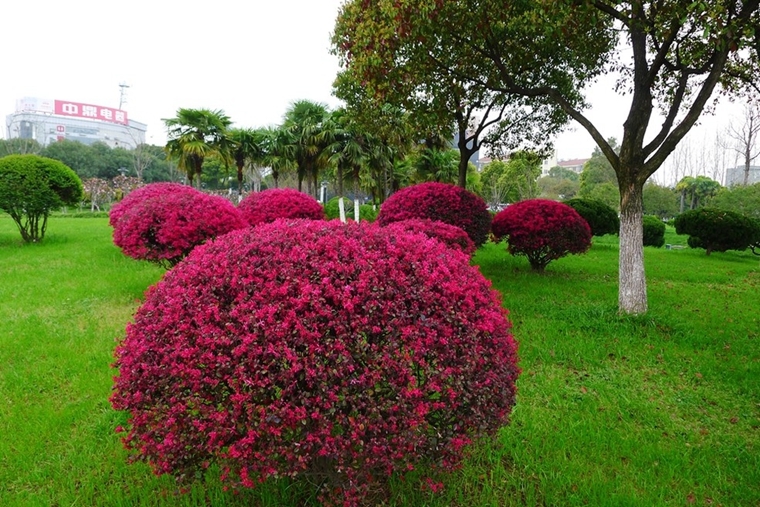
(670, 55)
(31, 187)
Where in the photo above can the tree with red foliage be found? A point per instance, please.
(138, 195)
(335, 353)
(443, 202)
(167, 222)
(271, 204)
(542, 230)
(450, 235)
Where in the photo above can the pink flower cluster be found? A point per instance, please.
(439, 201)
(450, 235)
(138, 195)
(269, 205)
(313, 349)
(542, 230)
(164, 223)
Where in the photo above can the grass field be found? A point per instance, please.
(662, 409)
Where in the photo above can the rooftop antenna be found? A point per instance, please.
(123, 93)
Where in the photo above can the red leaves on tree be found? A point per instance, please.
(343, 353)
(439, 201)
(269, 205)
(450, 235)
(164, 222)
(542, 230)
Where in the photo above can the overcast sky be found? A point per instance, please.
(250, 59)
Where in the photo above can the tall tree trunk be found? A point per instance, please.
(747, 164)
(464, 160)
(632, 298)
(341, 205)
(465, 152)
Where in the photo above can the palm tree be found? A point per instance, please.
(305, 121)
(279, 151)
(247, 147)
(347, 150)
(195, 134)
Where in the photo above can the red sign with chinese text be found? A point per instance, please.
(90, 111)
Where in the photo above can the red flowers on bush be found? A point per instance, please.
(438, 201)
(168, 222)
(269, 205)
(450, 235)
(313, 349)
(542, 230)
(140, 194)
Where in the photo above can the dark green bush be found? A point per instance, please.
(600, 217)
(654, 231)
(31, 187)
(366, 211)
(717, 230)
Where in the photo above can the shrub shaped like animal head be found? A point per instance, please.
(542, 230)
(140, 194)
(313, 349)
(654, 231)
(269, 205)
(439, 201)
(600, 217)
(450, 235)
(166, 225)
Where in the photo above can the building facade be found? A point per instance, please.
(735, 175)
(47, 121)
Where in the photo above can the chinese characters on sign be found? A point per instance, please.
(89, 111)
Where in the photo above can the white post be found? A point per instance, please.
(342, 209)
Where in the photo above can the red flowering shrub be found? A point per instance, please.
(269, 205)
(450, 235)
(140, 194)
(163, 227)
(542, 230)
(438, 201)
(316, 350)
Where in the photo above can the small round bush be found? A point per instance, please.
(600, 217)
(140, 194)
(329, 352)
(542, 230)
(439, 201)
(717, 230)
(449, 235)
(366, 211)
(654, 231)
(269, 205)
(31, 187)
(164, 227)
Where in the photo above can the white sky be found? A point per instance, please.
(250, 59)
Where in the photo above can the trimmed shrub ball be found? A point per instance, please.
(165, 226)
(449, 235)
(542, 230)
(654, 231)
(140, 194)
(600, 217)
(269, 205)
(717, 230)
(333, 353)
(439, 201)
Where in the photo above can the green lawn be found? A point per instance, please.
(662, 409)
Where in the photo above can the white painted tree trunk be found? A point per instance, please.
(356, 210)
(342, 208)
(632, 297)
